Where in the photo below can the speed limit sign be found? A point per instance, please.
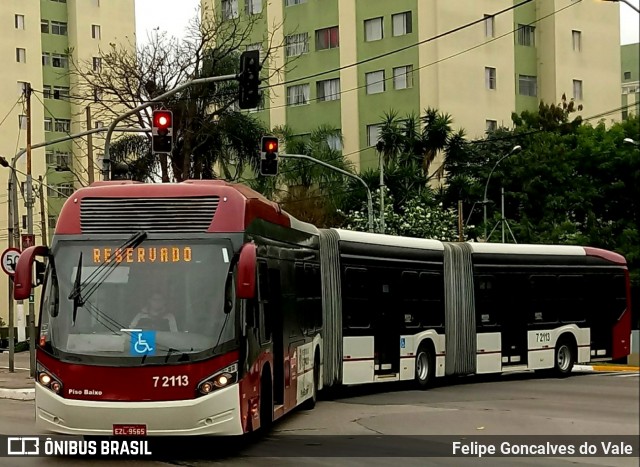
(10, 260)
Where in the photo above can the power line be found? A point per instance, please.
(11, 110)
(436, 62)
(401, 49)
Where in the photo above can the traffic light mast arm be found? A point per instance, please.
(343, 172)
(211, 79)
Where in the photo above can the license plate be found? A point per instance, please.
(130, 430)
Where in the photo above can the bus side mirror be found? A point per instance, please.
(23, 277)
(246, 279)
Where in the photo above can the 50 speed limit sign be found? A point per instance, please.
(10, 260)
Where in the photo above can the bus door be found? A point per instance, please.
(386, 326)
(513, 320)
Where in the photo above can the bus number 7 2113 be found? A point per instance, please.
(543, 336)
(170, 381)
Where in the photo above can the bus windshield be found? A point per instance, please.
(162, 301)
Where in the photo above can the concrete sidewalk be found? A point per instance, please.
(17, 385)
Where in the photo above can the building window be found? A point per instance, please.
(46, 59)
(577, 89)
(528, 85)
(229, 9)
(334, 142)
(22, 87)
(60, 190)
(403, 77)
(328, 90)
(58, 159)
(97, 95)
(489, 25)
(22, 122)
(298, 95)
(97, 64)
(256, 46)
(627, 75)
(375, 82)
(373, 134)
(58, 28)
(401, 23)
(491, 125)
(327, 38)
(21, 55)
(63, 125)
(59, 61)
(526, 35)
(60, 92)
(59, 1)
(96, 33)
(297, 44)
(490, 77)
(44, 26)
(52, 221)
(48, 124)
(98, 124)
(294, 2)
(253, 7)
(373, 29)
(19, 21)
(625, 114)
(576, 37)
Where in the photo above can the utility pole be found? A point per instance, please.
(381, 193)
(43, 217)
(90, 168)
(460, 222)
(10, 308)
(29, 206)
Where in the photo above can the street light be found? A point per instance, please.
(486, 187)
(625, 2)
(630, 141)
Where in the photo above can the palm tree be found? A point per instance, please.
(436, 134)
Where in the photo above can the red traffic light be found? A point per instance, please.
(270, 144)
(162, 119)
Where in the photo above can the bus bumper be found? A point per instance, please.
(215, 414)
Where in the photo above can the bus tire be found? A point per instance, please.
(310, 403)
(266, 400)
(565, 357)
(425, 366)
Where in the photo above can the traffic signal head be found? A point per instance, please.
(249, 77)
(269, 156)
(162, 131)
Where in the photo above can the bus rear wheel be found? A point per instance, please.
(564, 359)
(425, 367)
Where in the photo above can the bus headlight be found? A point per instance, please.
(220, 379)
(46, 379)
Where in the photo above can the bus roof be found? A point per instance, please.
(389, 240)
(192, 206)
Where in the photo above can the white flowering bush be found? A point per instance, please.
(416, 219)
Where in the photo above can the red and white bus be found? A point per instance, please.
(201, 308)
(153, 321)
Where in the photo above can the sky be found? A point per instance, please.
(173, 16)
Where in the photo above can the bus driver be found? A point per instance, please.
(155, 316)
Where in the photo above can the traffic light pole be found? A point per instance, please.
(112, 127)
(343, 172)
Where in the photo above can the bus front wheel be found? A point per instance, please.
(564, 358)
(425, 367)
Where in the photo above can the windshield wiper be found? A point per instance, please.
(107, 266)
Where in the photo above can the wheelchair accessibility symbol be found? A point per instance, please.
(143, 343)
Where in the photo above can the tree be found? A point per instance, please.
(421, 217)
(207, 128)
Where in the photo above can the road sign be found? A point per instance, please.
(9, 260)
(28, 240)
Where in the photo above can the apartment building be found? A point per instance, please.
(40, 37)
(506, 62)
(630, 59)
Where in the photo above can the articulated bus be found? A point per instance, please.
(201, 308)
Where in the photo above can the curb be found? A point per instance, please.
(606, 368)
(18, 394)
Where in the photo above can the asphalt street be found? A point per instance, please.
(518, 404)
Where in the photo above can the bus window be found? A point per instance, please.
(431, 289)
(412, 307)
(266, 291)
(355, 281)
(409, 284)
(487, 301)
(543, 299)
(317, 298)
(570, 303)
(356, 301)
